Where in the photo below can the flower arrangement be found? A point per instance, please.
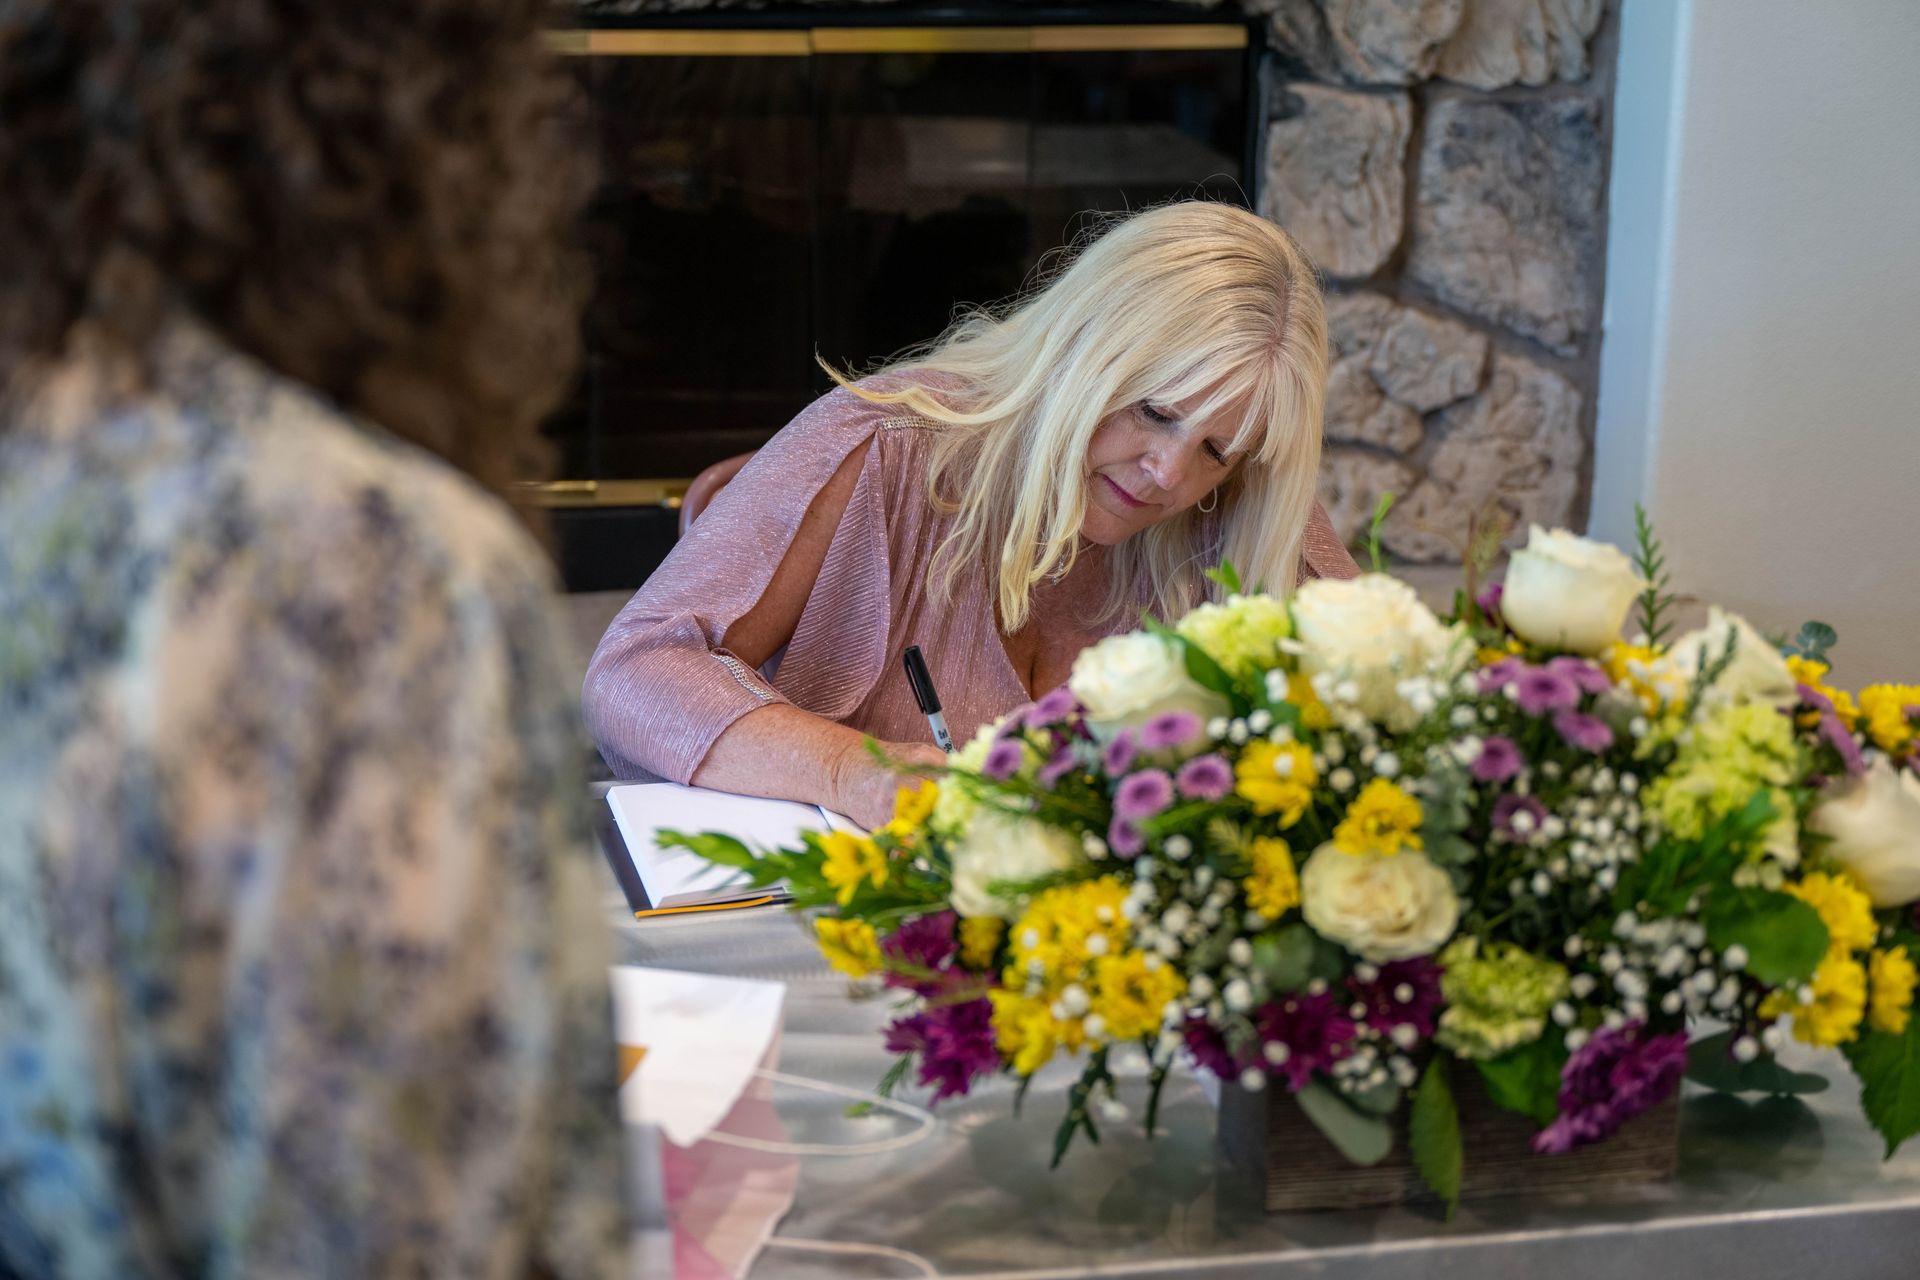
(1337, 846)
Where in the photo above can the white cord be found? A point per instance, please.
(894, 1143)
(914, 1260)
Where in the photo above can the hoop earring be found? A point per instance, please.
(1205, 507)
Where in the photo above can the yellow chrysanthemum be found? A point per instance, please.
(1808, 672)
(1129, 996)
(1382, 819)
(1273, 888)
(1892, 977)
(1026, 1032)
(1884, 707)
(1843, 908)
(1313, 712)
(979, 937)
(1653, 679)
(1276, 778)
(911, 805)
(851, 859)
(849, 945)
(1057, 927)
(1839, 1000)
(1487, 655)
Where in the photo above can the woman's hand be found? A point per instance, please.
(864, 788)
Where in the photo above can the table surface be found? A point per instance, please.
(1778, 1187)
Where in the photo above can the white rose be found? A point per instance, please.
(1374, 632)
(1564, 591)
(1757, 673)
(1379, 906)
(1875, 825)
(1127, 680)
(1000, 846)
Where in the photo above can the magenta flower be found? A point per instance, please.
(907, 1035)
(1498, 760)
(1170, 729)
(1125, 839)
(1489, 602)
(1207, 777)
(1586, 675)
(1499, 675)
(1058, 765)
(1314, 1032)
(1143, 794)
(925, 944)
(1541, 689)
(1613, 1077)
(1582, 731)
(1403, 993)
(1208, 1048)
(957, 1047)
(1054, 706)
(1518, 818)
(1120, 752)
(1003, 759)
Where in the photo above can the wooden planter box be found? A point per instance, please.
(1267, 1135)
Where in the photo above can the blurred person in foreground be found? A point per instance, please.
(301, 965)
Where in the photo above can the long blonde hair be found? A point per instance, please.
(1164, 305)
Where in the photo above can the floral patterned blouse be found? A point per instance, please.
(302, 965)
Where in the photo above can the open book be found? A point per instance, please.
(682, 878)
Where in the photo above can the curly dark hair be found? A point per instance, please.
(374, 198)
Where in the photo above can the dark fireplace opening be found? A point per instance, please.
(780, 183)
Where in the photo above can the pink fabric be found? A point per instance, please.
(661, 688)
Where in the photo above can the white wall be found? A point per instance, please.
(1760, 374)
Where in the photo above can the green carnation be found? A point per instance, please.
(1730, 754)
(1243, 635)
(1497, 997)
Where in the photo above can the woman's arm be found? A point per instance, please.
(780, 750)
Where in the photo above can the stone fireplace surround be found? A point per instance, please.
(1445, 164)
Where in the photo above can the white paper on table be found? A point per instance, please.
(704, 1036)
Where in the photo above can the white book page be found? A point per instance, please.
(680, 877)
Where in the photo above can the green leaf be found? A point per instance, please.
(1814, 640)
(711, 845)
(1783, 936)
(1227, 576)
(1889, 1071)
(1380, 510)
(1433, 1133)
(1527, 1080)
(1710, 1062)
(1206, 673)
(1361, 1138)
(1292, 956)
(1377, 1100)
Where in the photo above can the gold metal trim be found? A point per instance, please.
(687, 43)
(922, 39)
(607, 493)
(1139, 35)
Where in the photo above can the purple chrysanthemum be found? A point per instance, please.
(1489, 602)
(1499, 675)
(1613, 1077)
(1313, 1033)
(1207, 777)
(1143, 794)
(1125, 839)
(1054, 706)
(1208, 1048)
(1003, 759)
(1058, 765)
(1518, 818)
(1170, 729)
(924, 945)
(1836, 732)
(1582, 731)
(1403, 993)
(1589, 677)
(957, 1047)
(907, 1035)
(1119, 754)
(1498, 760)
(1539, 690)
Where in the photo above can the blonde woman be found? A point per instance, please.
(1020, 489)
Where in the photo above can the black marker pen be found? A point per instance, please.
(923, 693)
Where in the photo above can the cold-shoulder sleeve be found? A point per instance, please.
(662, 686)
